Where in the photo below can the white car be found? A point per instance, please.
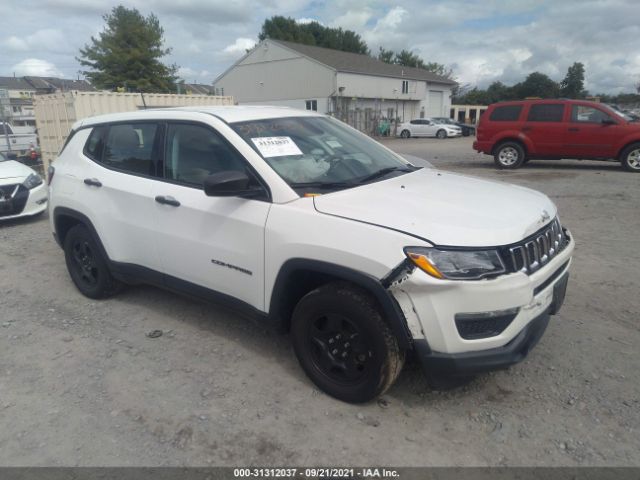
(22, 191)
(426, 127)
(295, 218)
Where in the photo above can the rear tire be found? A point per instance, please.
(343, 343)
(441, 134)
(509, 155)
(630, 158)
(405, 134)
(87, 266)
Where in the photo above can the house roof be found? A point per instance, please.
(15, 83)
(364, 64)
(63, 84)
(199, 88)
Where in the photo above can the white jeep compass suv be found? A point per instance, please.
(293, 217)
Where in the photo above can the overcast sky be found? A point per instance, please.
(482, 41)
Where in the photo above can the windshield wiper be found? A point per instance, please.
(385, 171)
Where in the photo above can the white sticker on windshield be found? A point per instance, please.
(333, 143)
(276, 146)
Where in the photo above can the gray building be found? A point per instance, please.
(356, 88)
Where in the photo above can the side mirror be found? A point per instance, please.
(230, 183)
(608, 121)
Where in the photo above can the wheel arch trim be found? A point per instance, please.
(391, 309)
(60, 212)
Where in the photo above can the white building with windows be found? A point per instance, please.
(357, 88)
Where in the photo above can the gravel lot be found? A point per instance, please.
(82, 384)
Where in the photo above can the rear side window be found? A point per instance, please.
(546, 113)
(506, 113)
(129, 147)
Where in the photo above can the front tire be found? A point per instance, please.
(441, 134)
(86, 265)
(509, 155)
(343, 343)
(405, 134)
(630, 158)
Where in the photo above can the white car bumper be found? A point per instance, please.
(436, 310)
(36, 202)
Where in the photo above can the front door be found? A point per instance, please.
(591, 133)
(212, 242)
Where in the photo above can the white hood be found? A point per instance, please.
(13, 172)
(445, 208)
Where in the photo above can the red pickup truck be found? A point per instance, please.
(518, 131)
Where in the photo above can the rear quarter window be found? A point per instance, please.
(506, 113)
(95, 143)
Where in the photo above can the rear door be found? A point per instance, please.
(211, 242)
(116, 183)
(587, 135)
(545, 128)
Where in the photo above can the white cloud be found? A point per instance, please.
(240, 46)
(189, 74)
(36, 67)
(353, 20)
(47, 39)
(305, 20)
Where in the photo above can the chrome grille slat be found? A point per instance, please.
(531, 255)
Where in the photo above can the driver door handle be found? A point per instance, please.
(167, 200)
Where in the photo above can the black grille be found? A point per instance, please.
(472, 326)
(13, 198)
(535, 251)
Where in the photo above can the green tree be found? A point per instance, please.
(127, 54)
(407, 58)
(573, 84)
(312, 33)
(537, 85)
(385, 56)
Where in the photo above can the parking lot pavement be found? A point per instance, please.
(81, 383)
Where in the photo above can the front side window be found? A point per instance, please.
(506, 113)
(546, 112)
(319, 152)
(193, 152)
(129, 147)
(586, 114)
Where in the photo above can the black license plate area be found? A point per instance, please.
(559, 293)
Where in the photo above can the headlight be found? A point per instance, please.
(32, 181)
(456, 264)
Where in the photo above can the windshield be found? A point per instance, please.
(319, 152)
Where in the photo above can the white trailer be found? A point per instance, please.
(56, 113)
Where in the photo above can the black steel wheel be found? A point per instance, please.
(343, 343)
(86, 265)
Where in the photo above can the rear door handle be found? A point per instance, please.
(167, 200)
(93, 182)
(573, 129)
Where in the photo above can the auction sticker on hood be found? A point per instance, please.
(276, 146)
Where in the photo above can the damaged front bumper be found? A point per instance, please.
(466, 327)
